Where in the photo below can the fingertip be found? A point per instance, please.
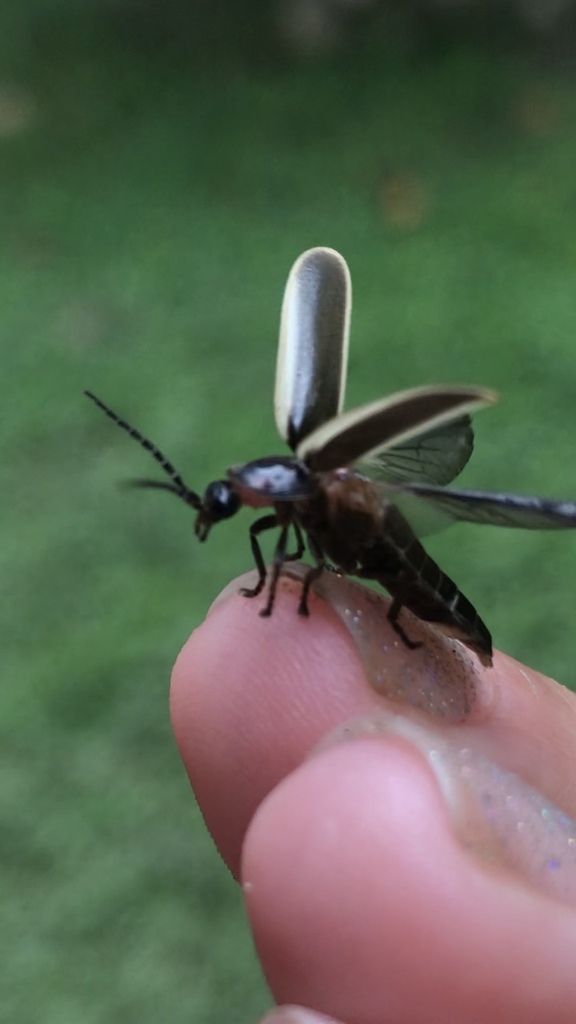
(250, 696)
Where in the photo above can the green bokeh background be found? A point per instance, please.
(161, 166)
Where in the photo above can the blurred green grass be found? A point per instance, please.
(151, 208)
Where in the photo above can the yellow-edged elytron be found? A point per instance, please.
(355, 477)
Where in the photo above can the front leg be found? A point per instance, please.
(266, 523)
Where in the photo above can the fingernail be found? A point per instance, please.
(442, 677)
(495, 814)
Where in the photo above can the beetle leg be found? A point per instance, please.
(393, 613)
(311, 575)
(396, 604)
(277, 563)
(266, 523)
(300, 545)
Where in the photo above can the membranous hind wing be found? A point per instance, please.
(493, 509)
(436, 457)
(313, 348)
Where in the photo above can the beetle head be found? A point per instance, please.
(220, 502)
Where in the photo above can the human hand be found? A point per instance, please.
(405, 871)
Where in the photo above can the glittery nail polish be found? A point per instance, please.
(495, 814)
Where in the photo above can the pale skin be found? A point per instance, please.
(364, 905)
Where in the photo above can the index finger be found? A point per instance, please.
(252, 696)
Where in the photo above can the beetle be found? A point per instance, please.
(344, 489)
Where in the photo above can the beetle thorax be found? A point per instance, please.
(273, 479)
(346, 518)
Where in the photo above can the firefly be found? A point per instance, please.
(351, 487)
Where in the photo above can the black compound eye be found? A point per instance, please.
(220, 501)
